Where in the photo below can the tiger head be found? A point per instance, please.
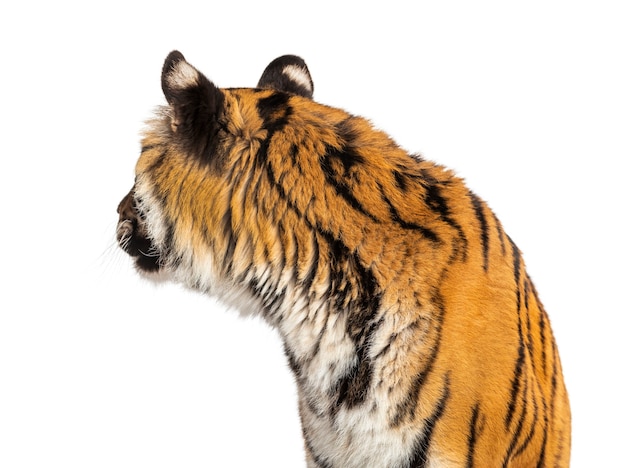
(198, 198)
(262, 189)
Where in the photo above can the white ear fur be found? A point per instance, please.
(289, 74)
(177, 75)
(182, 75)
(299, 75)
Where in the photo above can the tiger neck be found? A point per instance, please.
(328, 327)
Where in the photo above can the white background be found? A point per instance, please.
(101, 369)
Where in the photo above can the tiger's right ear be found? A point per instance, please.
(194, 99)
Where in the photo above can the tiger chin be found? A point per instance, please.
(413, 330)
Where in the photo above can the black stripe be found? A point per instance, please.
(293, 362)
(307, 281)
(158, 162)
(474, 434)
(427, 233)
(419, 456)
(274, 109)
(519, 363)
(401, 180)
(514, 442)
(352, 387)
(318, 343)
(553, 380)
(542, 326)
(394, 336)
(227, 229)
(348, 279)
(286, 237)
(294, 151)
(346, 160)
(149, 147)
(347, 157)
(542, 334)
(272, 301)
(515, 385)
(484, 228)
(530, 343)
(533, 426)
(437, 203)
(544, 442)
(269, 169)
(500, 234)
(407, 407)
(266, 164)
(518, 429)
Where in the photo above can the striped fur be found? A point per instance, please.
(415, 335)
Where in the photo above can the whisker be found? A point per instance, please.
(124, 241)
(112, 259)
(151, 254)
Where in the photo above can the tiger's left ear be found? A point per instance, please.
(290, 74)
(194, 99)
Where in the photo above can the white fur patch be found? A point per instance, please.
(183, 76)
(299, 75)
(151, 209)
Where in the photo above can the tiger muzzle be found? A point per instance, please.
(132, 236)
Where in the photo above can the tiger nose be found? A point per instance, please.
(126, 208)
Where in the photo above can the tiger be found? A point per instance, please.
(414, 333)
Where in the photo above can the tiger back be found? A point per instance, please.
(413, 330)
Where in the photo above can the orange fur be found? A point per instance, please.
(413, 329)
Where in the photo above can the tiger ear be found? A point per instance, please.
(290, 74)
(194, 99)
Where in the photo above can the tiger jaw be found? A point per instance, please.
(132, 236)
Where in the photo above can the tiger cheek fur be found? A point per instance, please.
(415, 335)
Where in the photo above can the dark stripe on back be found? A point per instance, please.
(401, 180)
(530, 343)
(542, 327)
(427, 233)
(438, 204)
(519, 363)
(274, 109)
(479, 211)
(346, 159)
(500, 234)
